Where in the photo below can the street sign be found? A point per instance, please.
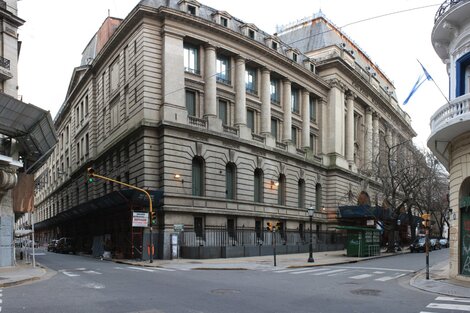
(140, 219)
(178, 227)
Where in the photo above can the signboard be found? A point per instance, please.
(140, 219)
(178, 227)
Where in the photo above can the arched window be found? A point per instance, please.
(231, 180)
(318, 196)
(258, 187)
(301, 193)
(198, 176)
(281, 190)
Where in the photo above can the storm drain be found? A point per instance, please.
(366, 292)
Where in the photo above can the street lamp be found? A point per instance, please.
(310, 248)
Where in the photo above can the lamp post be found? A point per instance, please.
(310, 247)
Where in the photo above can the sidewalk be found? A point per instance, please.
(439, 281)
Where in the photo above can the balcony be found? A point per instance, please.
(450, 19)
(449, 121)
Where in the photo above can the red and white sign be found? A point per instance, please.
(140, 219)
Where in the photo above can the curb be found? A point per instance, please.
(19, 282)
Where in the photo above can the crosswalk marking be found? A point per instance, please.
(92, 272)
(442, 298)
(449, 306)
(70, 274)
(362, 276)
(329, 272)
(290, 270)
(386, 278)
(379, 272)
(140, 269)
(310, 271)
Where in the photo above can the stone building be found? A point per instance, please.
(26, 134)
(227, 126)
(449, 139)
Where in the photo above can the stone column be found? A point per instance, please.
(8, 180)
(286, 105)
(350, 127)
(334, 144)
(240, 92)
(210, 86)
(368, 142)
(322, 114)
(265, 102)
(305, 119)
(375, 134)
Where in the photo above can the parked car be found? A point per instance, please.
(52, 246)
(444, 242)
(65, 245)
(418, 245)
(434, 244)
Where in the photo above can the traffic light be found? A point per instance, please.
(278, 226)
(426, 219)
(91, 174)
(270, 226)
(153, 218)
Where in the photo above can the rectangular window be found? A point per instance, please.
(223, 69)
(274, 128)
(295, 103)
(114, 76)
(294, 136)
(294, 57)
(114, 112)
(198, 227)
(87, 144)
(274, 45)
(231, 227)
(250, 120)
(191, 102)
(77, 115)
(275, 94)
(250, 81)
(223, 111)
(251, 33)
(191, 59)
(191, 9)
(313, 109)
(86, 106)
(223, 21)
(313, 143)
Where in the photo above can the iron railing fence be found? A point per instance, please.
(221, 236)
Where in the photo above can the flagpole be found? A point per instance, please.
(427, 74)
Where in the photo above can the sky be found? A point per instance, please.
(57, 31)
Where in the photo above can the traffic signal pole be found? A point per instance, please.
(92, 174)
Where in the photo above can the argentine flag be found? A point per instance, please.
(421, 79)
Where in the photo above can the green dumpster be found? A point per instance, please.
(362, 241)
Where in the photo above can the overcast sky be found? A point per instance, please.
(56, 32)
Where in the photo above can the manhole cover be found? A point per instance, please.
(224, 291)
(366, 292)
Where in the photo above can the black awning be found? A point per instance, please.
(115, 200)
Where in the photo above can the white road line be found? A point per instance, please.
(70, 274)
(453, 299)
(386, 278)
(330, 272)
(164, 269)
(290, 270)
(310, 271)
(379, 272)
(362, 276)
(448, 306)
(80, 269)
(375, 268)
(140, 269)
(92, 272)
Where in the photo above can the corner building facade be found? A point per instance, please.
(449, 139)
(232, 127)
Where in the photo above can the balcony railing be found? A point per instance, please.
(5, 63)
(195, 121)
(445, 7)
(444, 114)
